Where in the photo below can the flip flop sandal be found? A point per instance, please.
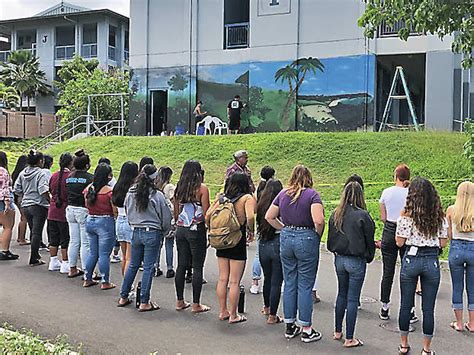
(153, 307)
(262, 311)
(466, 325)
(400, 348)
(23, 243)
(240, 319)
(186, 306)
(225, 318)
(203, 309)
(89, 283)
(111, 286)
(359, 343)
(38, 263)
(453, 325)
(278, 320)
(124, 304)
(79, 273)
(338, 339)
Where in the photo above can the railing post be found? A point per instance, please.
(88, 118)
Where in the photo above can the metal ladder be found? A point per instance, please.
(399, 75)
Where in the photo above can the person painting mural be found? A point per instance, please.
(234, 109)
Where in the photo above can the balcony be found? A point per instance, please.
(4, 56)
(111, 53)
(64, 52)
(89, 50)
(385, 30)
(236, 35)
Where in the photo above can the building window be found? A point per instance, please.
(126, 48)
(236, 24)
(65, 43)
(89, 41)
(112, 43)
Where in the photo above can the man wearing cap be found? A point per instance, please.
(241, 158)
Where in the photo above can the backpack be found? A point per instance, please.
(224, 227)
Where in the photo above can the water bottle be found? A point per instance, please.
(241, 307)
(137, 296)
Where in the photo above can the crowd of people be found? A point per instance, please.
(90, 217)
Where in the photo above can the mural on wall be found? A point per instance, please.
(309, 94)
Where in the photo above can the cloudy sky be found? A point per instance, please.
(10, 9)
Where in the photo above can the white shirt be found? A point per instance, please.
(394, 199)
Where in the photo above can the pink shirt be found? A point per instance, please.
(5, 185)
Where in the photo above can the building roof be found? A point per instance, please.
(62, 8)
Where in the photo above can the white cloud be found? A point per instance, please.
(12, 9)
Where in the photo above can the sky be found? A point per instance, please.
(12, 9)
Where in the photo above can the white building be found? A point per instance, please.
(61, 31)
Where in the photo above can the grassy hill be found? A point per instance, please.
(331, 156)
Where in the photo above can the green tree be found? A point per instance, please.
(22, 72)
(73, 97)
(73, 69)
(9, 96)
(294, 74)
(438, 17)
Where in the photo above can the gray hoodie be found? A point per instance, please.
(156, 216)
(31, 184)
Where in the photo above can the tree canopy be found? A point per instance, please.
(437, 17)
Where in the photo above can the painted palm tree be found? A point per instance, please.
(295, 74)
(23, 74)
(8, 96)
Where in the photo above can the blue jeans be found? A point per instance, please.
(272, 269)
(76, 219)
(168, 241)
(461, 264)
(256, 267)
(145, 245)
(350, 272)
(123, 230)
(424, 265)
(299, 252)
(101, 232)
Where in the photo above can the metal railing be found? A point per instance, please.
(111, 53)
(89, 50)
(236, 35)
(64, 52)
(4, 56)
(386, 30)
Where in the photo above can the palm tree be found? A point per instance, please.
(294, 74)
(8, 96)
(23, 74)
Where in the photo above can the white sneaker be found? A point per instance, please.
(65, 267)
(254, 290)
(54, 264)
(115, 259)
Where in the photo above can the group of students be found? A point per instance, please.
(87, 213)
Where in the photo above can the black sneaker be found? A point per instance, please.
(170, 274)
(313, 336)
(12, 256)
(383, 315)
(292, 330)
(413, 318)
(158, 272)
(43, 247)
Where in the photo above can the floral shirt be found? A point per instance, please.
(407, 229)
(5, 185)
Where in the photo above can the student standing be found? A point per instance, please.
(351, 239)
(58, 229)
(22, 225)
(7, 210)
(191, 202)
(32, 186)
(461, 253)
(234, 110)
(298, 212)
(150, 218)
(422, 228)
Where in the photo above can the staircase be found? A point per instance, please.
(81, 127)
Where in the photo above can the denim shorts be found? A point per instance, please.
(123, 230)
(12, 204)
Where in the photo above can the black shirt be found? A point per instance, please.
(235, 107)
(75, 185)
(358, 236)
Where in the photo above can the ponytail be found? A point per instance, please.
(64, 161)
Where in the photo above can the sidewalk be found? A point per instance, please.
(50, 304)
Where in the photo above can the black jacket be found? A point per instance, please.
(357, 236)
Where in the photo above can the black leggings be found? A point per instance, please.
(190, 244)
(36, 217)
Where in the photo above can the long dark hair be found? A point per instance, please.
(189, 182)
(3, 160)
(19, 167)
(164, 177)
(144, 161)
(356, 178)
(271, 190)
(145, 186)
(237, 184)
(266, 174)
(34, 158)
(128, 174)
(424, 207)
(81, 160)
(64, 162)
(353, 195)
(101, 179)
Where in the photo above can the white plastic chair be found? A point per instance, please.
(207, 121)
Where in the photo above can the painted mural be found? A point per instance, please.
(333, 94)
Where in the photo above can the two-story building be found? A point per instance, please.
(210, 50)
(58, 33)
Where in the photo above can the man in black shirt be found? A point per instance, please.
(234, 109)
